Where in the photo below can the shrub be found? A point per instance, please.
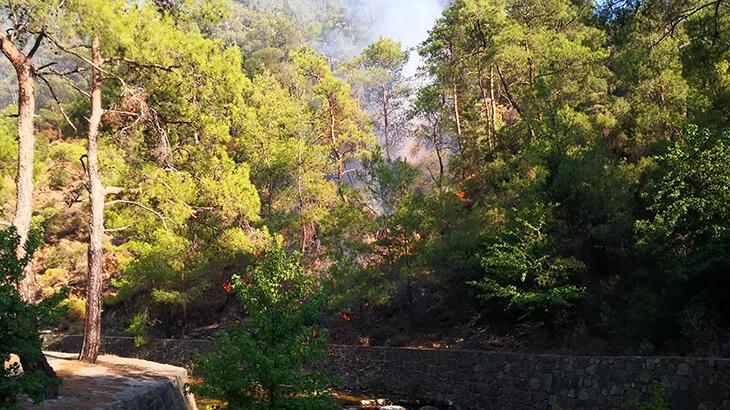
(139, 327)
(523, 273)
(265, 364)
(20, 322)
(75, 309)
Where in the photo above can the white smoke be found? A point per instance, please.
(406, 21)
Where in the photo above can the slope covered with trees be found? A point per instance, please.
(556, 177)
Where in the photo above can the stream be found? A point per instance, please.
(352, 401)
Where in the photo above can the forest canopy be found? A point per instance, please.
(555, 175)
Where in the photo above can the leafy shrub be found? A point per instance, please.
(139, 327)
(686, 238)
(265, 364)
(75, 309)
(523, 272)
(20, 322)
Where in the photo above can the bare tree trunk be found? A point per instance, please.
(335, 152)
(386, 122)
(26, 74)
(300, 194)
(487, 111)
(92, 332)
(26, 141)
(439, 154)
(493, 102)
(457, 117)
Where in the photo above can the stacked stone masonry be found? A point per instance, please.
(490, 380)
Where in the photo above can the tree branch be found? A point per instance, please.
(142, 206)
(36, 45)
(143, 65)
(69, 82)
(58, 102)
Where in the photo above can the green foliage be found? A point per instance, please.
(524, 273)
(379, 82)
(20, 321)
(687, 233)
(8, 141)
(224, 128)
(139, 327)
(660, 401)
(265, 364)
(387, 181)
(75, 309)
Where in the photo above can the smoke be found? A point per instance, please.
(406, 21)
(341, 29)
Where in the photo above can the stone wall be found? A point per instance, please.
(497, 380)
(490, 380)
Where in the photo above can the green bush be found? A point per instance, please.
(75, 309)
(523, 273)
(266, 363)
(139, 327)
(20, 322)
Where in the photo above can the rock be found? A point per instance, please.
(535, 383)
(392, 407)
(429, 408)
(683, 369)
(12, 365)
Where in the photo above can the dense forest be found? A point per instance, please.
(555, 176)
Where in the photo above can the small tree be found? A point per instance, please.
(266, 363)
(524, 274)
(19, 324)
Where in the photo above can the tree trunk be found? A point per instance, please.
(92, 332)
(335, 152)
(457, 116)
(487, 111)
(493, 102)
(439, 155)
(26, 75)
(26, 141)
(300, 194)
(386, 124)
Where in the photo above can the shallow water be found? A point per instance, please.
(353, 401)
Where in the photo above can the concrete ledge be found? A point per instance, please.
(115, 383)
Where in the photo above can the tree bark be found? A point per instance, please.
(493, 102)
(26, 75)
(457, 116)
(26, 141)
(487, 110)
(92, 331)
(386, 123)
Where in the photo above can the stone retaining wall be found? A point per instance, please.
(491, 380)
